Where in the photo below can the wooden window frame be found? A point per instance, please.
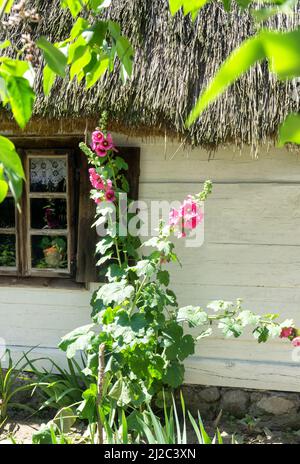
(23, 230)
(5, 270)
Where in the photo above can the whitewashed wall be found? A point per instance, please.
(251, 251)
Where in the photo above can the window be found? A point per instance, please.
(53, 237)
(39, 241)
(8, 236)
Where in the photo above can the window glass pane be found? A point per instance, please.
(7, 250)
(49, 252)
(48, 174)
(48, 213)
(7, 214)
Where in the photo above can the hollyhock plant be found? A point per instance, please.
(137, 311)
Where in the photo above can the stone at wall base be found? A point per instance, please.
(277, 410)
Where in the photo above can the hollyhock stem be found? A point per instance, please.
(115, 187)
(137, 295)
(113, 171)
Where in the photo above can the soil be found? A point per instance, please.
(19, 429)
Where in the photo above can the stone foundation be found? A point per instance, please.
(273, 409)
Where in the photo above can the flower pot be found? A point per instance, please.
(52, 256)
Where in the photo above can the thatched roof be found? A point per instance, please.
(174, 60)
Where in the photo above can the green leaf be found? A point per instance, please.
(186, 347)
(21, 98)
(78, 339)
(8, 6)
(175, 6)
(114, 29)
(238, 62)
(3, 190)
(10, 158)
(280, 48)
(49, 77)
(227, 5)
(75, 6)
(138, 321)
(174, 375)
(95, 73)
(243, 4)
(262, 14)
(95, 35)
(13, 169)
(189, 6)
(80, 25)
(4, 44)
(79, 63)
(15, 184)
(115, 292)
(125, 53)
(120, 163)
(193, 6)
(289, 131)
(43, 435)
(145, 268)
(193, 315)
(283, 52)
(55, 59)
(163, 278)
(104, 245)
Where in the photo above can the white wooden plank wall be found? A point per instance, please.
(251, 251)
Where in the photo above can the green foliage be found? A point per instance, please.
(281, 49)
(55, 59)
(6, 5)
(266, 44)
(290, 130)
(91, 50)
(7, 254)
(60, 388)
(138, 427)
(11, 374)
(11, 170)
(16, 88)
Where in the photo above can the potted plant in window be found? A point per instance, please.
(54, 250)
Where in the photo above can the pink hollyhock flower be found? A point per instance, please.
(174, 217)
(97, 136)
(108, 184)
(110, 195)
(107, 143)
(296, 341)
(96, 179)
(99, 150)
(287, 332)
(191, 213)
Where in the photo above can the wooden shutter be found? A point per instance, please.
(87, 236)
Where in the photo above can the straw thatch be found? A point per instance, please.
(174, 59)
